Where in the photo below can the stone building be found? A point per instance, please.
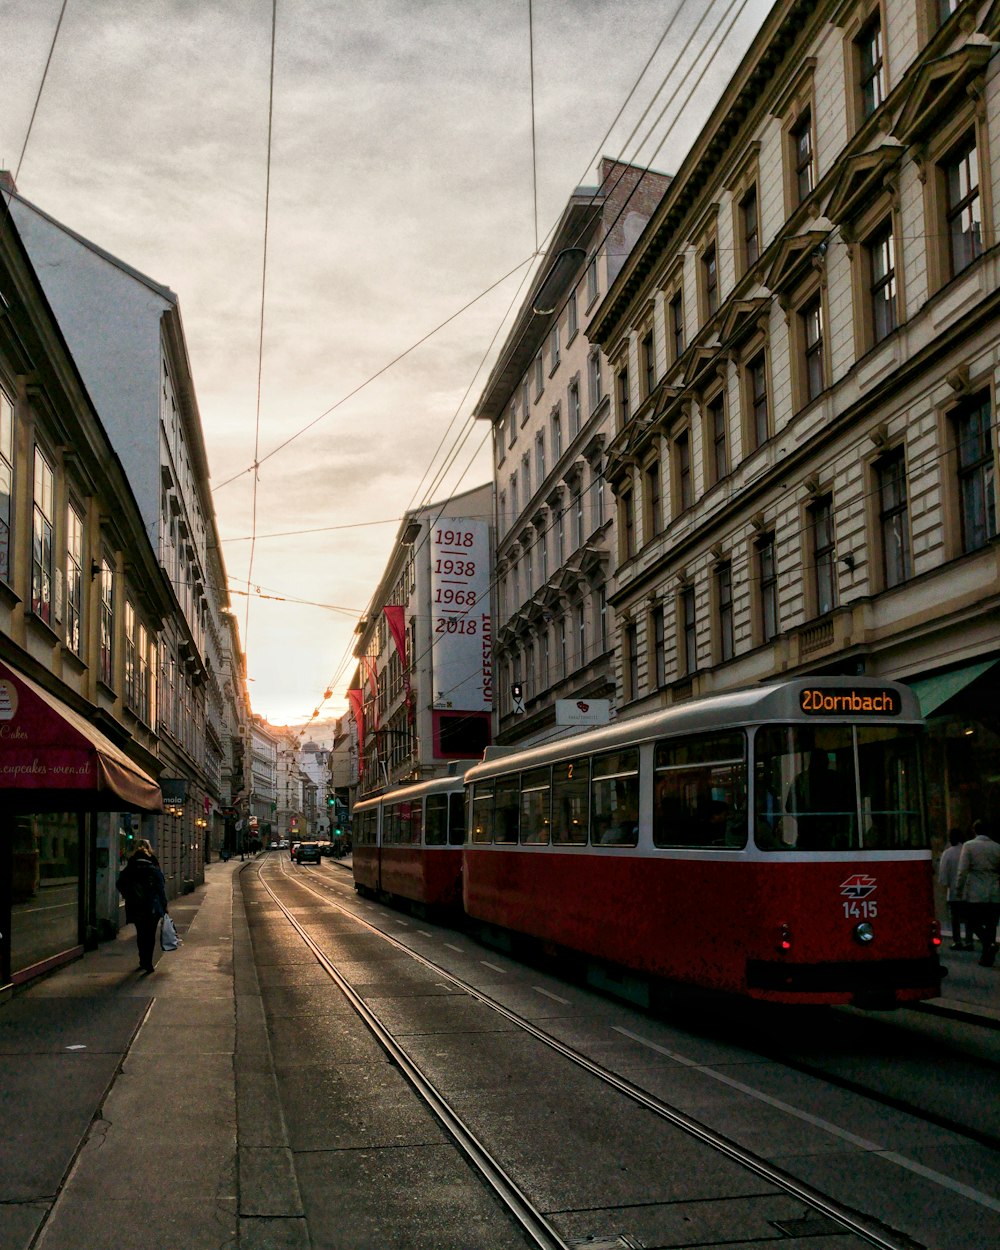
(804, 465)
(548, 401)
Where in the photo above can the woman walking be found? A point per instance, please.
(141, 885)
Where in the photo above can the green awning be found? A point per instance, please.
(938, 689)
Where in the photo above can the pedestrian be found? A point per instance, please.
(978, 886)
(948, 878)
(142, 886)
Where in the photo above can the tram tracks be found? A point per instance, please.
(537, 1227)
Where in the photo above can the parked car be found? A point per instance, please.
(307, 853)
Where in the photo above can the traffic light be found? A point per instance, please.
(330, 800)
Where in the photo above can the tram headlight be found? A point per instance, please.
(864, 933)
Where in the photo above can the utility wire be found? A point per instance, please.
(260, 341)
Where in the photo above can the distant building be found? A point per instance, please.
(548, 401)
(263, 804)
(423, 692)
(805, 354)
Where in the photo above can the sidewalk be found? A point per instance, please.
(118, 1099)
(141, 1112)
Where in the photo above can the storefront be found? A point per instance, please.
(62, 782)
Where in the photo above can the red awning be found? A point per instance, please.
(54, 759)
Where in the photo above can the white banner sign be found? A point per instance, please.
(583, 711)
(460, 615)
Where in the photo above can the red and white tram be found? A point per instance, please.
(768, 842)
(408, 843)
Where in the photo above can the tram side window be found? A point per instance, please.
(614, 799)
(507, 810)
(482, 812)
(456, 824)
(409, 823)
(805, 787)
(436, 820)
(570, 803)
(536, 793)
(700, 791)
(390, 825)
(891, 788)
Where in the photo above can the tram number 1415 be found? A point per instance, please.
(856, 910)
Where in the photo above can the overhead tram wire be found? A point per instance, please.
(345, 662)
(377, 374)
(34, 109)
(402, 355)
(260, 341)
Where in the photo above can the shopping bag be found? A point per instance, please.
(169, 940)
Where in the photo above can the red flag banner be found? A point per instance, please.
(370, 668)
(396, 619)
(356, 698)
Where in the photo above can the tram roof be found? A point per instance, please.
(771, 703)
(452, 783)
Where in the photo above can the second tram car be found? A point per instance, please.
(408, 843)
(768, 843)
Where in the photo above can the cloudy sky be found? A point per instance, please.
(402, 188)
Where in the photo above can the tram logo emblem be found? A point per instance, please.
(858, 886)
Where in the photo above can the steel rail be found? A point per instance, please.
(866, 1229)
(518, 1205)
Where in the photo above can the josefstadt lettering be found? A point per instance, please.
(849, 701)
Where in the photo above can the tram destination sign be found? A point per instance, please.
(849, 701)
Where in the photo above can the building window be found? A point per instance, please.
(554, 353)
(676, 316)
(716, 431)
(623, 396)
(654, 501)
(811, 322)
(592, 288)
(145, 698)
(945, 8)
(597, 487)
(628, 525)
(894, 533)
(576, 503)
(540, 456)
(823, 555)
(560, 538)
(960, 170)
(871, 66)
(881, 257)
(749, 228)
(556, 428)
(572, 318)
(514, 508)
(596, 385)
(602, 618)
(512, 424)
(724, 607)
(525, 400)
(688, 658)
(529, 569)
(41, 545)
(539, 375)
(802, 156)
(767, 575)
(502, 512)
(630, 645)
(131, 658)
(682, 472)
(710, 280)
(756, 383)
(647, 353)
(659, 636)
(561, 638)
(573, 409)
(580, 622)
(543, 554)
(107, 667)
(976, 472)
(74, 581)
(6, 482)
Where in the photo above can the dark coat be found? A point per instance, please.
(141, 884)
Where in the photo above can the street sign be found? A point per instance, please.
(583, 711)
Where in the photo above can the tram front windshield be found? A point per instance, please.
(838, 788)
